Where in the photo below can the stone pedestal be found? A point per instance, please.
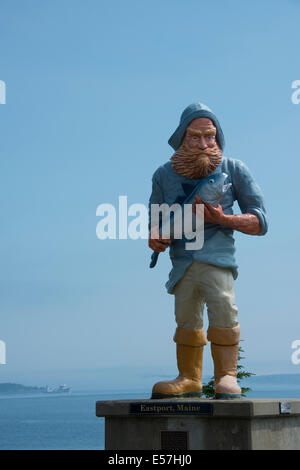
(201, 424)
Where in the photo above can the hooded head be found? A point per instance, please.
(198, 142)
(194, 111)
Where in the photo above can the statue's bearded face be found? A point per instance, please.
(199, 153)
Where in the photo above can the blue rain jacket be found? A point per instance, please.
(218, 248)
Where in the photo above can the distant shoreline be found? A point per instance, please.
(19, 388)
(138, 383)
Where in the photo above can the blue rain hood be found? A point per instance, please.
(194, 111)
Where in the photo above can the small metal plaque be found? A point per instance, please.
(180, 408)
(174, 440)
(285, 407)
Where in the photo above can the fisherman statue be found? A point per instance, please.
(204, 276)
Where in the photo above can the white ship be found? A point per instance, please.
(59, 389)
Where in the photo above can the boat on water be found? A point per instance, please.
(59, 389)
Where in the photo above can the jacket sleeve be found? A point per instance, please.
(248, 194)
(157, 196)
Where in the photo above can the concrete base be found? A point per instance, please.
(201, 424)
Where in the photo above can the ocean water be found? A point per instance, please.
(68, 422)
(55, 422)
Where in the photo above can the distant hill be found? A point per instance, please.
(18, 388)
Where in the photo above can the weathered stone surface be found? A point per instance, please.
(207, 424)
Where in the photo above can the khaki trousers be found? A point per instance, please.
(205, 284)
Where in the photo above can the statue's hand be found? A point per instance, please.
(156, 242)
(212, 214)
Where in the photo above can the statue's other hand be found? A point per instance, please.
(157, 242)
(211, 214)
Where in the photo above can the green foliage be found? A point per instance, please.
(208, 389)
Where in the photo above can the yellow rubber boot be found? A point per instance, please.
(189, 348)
(225, 350)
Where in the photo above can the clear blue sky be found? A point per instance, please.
(94, 90)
